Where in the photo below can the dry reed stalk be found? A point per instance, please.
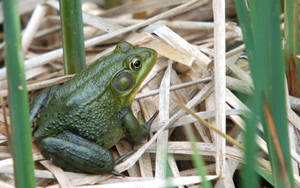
(33, 25)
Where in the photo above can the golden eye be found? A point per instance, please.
(135, 64)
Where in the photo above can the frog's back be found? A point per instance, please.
(92, 83)
(97, 121)
(85, 103)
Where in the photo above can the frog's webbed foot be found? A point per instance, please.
(74, 153)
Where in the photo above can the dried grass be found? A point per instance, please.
(184, 72)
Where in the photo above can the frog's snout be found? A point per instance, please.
(152, 54)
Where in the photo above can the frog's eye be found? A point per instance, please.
(135, 64)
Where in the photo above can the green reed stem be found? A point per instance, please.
(72, 34)
(18, 99)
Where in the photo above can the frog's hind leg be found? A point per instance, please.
(75, 153)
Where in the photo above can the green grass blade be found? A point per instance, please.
(249, 177)
(291, 13)
(197, 159)
(18, 98)
(245, 24)
(267, 176)
(269, 57)
(72, 34)
(267, 71)
(168, 171)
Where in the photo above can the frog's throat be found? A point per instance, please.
(134, 92)
(128, 97)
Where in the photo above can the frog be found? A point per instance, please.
(76, 123)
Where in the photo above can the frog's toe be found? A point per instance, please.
(117, 173)
(123, 157)
(78, 158)
(150, 121)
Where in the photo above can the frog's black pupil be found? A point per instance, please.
(137, 63)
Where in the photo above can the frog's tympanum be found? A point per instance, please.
(76, 123)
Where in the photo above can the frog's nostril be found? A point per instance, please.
(146, 54)
(151, 53)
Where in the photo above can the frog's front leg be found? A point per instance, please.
(75, 153)
(137, 132)
(38, 103)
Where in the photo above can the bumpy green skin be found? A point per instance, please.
(75, 123)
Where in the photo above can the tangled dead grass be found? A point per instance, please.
(183, 72)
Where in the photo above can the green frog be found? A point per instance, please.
(76, 123)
